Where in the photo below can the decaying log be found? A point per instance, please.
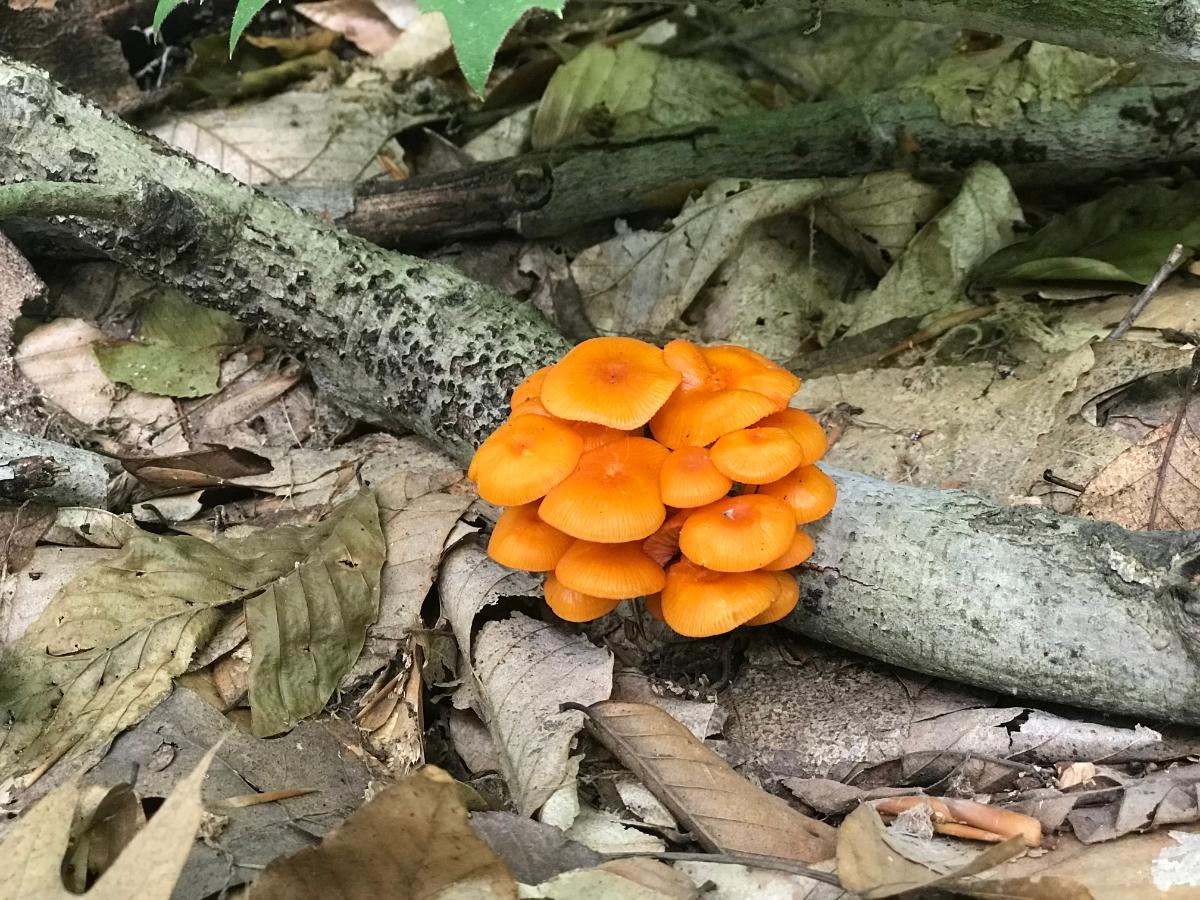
(1126, 29)
(1019, 599)
(550, 192)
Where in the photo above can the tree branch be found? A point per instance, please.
(541, 194)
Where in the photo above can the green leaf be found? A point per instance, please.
(478, 27)
(605, 92)
(161, 11)
(106, 649)
(178, 352)
(1124, 236)
(246, 10)
(307, 629)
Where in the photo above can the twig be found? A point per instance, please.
(738, 859)
(1172, 262)
(1049, 477)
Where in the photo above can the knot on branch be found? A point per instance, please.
(168, 217)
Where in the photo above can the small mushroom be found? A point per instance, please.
(612, 571)
(756, 455)
(690, 479)
(615, 381)
(804, 429)
(744, 369)
(574, 606)
(613, 494)
(966, 818)
(521, 540)
(786, 597)
(801, 549)
(698, 602)
(529, 389)
(738, 534)
(705, 406)
(523, 459)
(807, 490)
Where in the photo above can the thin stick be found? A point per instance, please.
(738, 859)
(1172, 262)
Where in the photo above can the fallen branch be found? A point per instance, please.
(1020, 600)
(1127, 29)
(548, 193)
(48, 472)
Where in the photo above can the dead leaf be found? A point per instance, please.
(1154, 485)
(605, 832)
(359, 20)
(724, 811)
(113, 639)
(870, 866)
(520, 670)
(619, 879)
(58, 358)
(32, 855)
(209, 467)
(21, 527)
(534, 851)
(1075, 774)
(319, 754)
(439, 855)
(106, 820)
(25, 595)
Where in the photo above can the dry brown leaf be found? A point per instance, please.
(209, 467)
(871, 866)
(23, 595)
(359, 20)
(21, 527)
(411, 840)
(1154, 485)
(31, 858)
(724, 811)
(1074, 774)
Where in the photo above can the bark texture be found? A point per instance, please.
(397, 340)
(1126, 29)
(547, 193)
(1017, 599)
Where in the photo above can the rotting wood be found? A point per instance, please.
(1021, 600)
(551, 192)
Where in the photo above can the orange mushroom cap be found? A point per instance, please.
(523, 459)
(698, 602)
(756, 455)
(593, 435)
(807, 490)
(521, 540)
(738, 534)
(529, 389)
(663, 545)
(804, 429)
(615, 381)
(574, 606)
(710, 401)
(614, 571)
(689, 478)
(613, 494)
(801, 549)
(744, 369)
(786, 598)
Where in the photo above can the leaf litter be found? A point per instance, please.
(913, 297)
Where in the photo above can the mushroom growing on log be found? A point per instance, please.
(1019, 599)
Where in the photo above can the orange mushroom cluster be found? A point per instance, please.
(678, 475)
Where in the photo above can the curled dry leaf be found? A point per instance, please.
(411, 840)
(31, 858)
(520, 670)
(871, 866)
(724, 811)
(966, 818)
